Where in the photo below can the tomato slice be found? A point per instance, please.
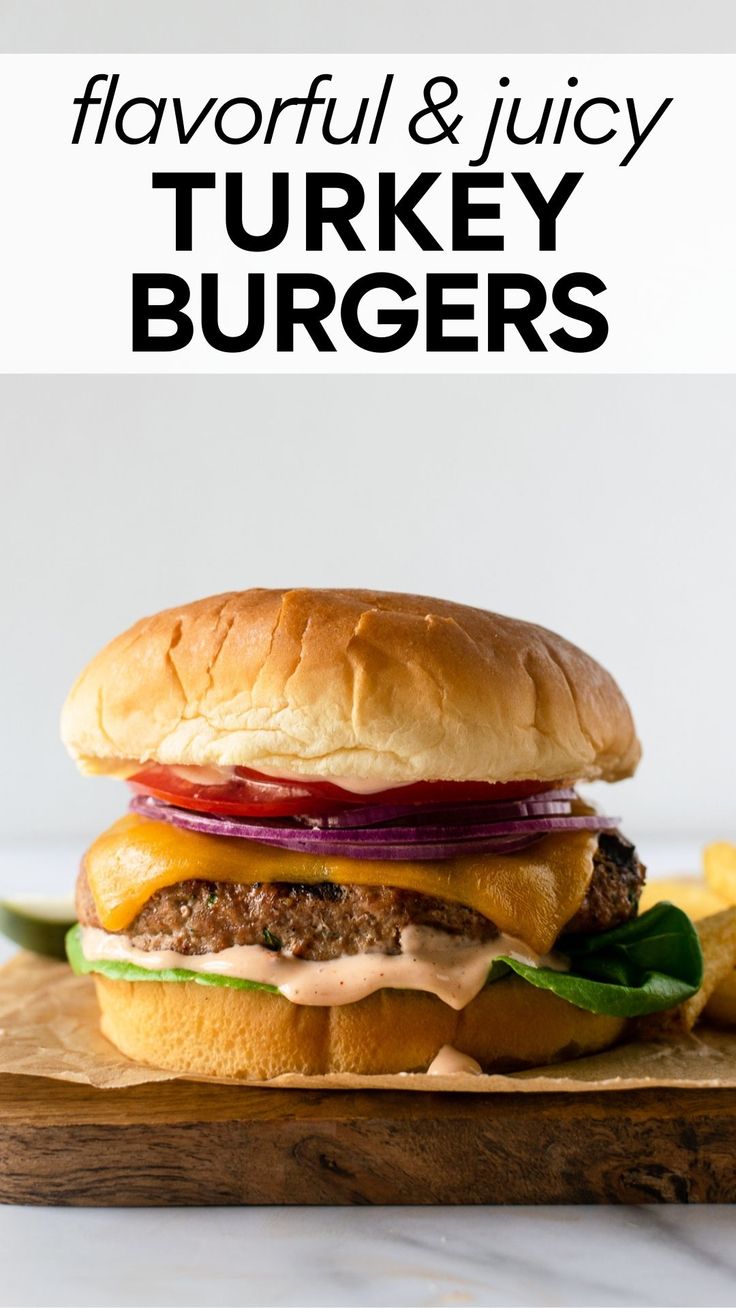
(249, 794)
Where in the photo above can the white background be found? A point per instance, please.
(601, 507)
(84, 218)
(182, 25)
(74, 558)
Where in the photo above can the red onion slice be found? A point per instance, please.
(395, 843)
(548, 802)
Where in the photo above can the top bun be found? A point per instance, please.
(364, 687)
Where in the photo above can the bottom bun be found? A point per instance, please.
(223, 1032)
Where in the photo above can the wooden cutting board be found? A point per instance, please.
(186, 1143)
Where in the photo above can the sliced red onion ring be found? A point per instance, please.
(409, 842)
(547, 803)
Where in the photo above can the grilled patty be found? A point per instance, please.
(325, 920)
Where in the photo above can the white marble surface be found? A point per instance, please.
(368, 1256)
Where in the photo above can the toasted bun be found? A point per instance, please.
(219, 1031)
(379, 688)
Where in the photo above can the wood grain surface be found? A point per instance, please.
(185, 1143)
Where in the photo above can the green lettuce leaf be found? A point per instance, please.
(120, 971)
(651, 963)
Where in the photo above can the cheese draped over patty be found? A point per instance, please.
(530, 894)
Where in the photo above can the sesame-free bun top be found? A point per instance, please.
(361, 687)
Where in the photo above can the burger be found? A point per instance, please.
(355, 844)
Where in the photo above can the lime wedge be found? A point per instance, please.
(38, 922)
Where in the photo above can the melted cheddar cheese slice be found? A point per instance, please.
(530, 894)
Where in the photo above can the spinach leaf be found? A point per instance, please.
(650, 963)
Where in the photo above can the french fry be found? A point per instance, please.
(721, 1007)
(691, 894)
(719, 866)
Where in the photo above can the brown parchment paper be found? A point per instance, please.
(49, 1028)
